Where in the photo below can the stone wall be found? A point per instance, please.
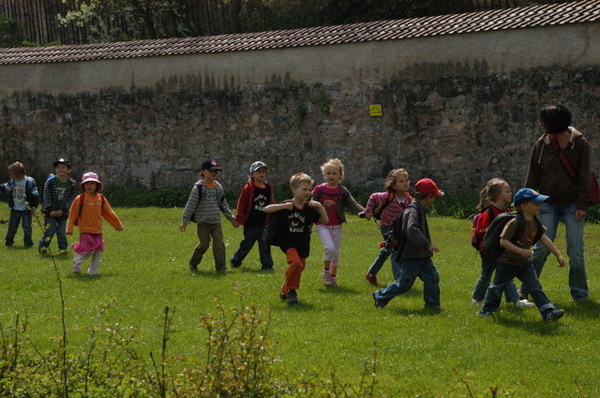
(456, 124)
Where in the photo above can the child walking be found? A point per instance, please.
(515, 260)
(87, 212)
(59, 192)
(415, 250)
(495, 198)
(23, 201)
(250, 212)
(294, 219)
(387, 205)
(335, 198)
(205, 204)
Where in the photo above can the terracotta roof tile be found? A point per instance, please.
(512, 18)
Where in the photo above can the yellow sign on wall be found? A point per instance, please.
(375, 110)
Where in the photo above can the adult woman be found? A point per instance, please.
(568, 191)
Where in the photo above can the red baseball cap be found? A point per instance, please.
(427, 186)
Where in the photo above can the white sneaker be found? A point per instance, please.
(524, 303)
(476, 302)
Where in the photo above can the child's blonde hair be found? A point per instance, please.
(391, 179)
(333, 163)
(490, 192)
(17, 168)
(300, 178)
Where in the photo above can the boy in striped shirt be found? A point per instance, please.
(204, 205)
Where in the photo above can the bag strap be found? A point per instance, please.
(563, 159)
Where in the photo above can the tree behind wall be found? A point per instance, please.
(92, 21)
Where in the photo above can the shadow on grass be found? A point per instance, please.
(513, 318)
(208, 274)
(84, 277)
(338, 290)
(409, 312)
(301, 306)
(583, 309)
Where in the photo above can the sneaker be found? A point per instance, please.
(326, 277)
(378, 303)
(194, 268)
(522, 295)
(292, 297)
(76, 269)
(333, 281)
(60, 252)
(524, 303)
(371, 278)
(234, 265)
(485, 314)
(478, 303)
(42, 250)
(553, 315)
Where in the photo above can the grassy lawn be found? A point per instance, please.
(332, 330)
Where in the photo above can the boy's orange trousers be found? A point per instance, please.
(293, 271)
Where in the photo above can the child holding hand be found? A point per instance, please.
(250, 212)
(335, 198)
(294, 219)
(388, 204)
(205, 204)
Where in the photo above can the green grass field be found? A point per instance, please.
(333, 329)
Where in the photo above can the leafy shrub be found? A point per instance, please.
(11, 33)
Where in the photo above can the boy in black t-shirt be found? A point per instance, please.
(296, 217)
(250, 213)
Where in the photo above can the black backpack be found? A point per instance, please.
(382, 205)
(395, 239)
(491, 241)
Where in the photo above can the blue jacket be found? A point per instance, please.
(31, 192)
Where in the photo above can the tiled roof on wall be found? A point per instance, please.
(512, 18)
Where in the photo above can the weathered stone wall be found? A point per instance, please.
(456, 123)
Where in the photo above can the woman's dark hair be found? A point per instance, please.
(556, 118)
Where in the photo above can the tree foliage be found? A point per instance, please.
(111, 20)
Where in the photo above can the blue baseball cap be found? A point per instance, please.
(528, 195)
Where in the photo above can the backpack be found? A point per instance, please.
(199, 185)
(476, 240)
(491, 241)
(382, 205)
(394, 238)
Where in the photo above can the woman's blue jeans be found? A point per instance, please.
(550, 215)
